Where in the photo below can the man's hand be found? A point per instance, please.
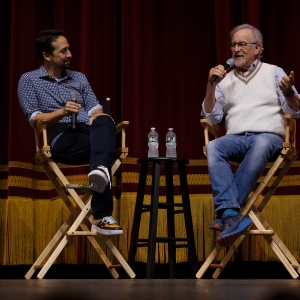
(218, 71)
(286, 83)
(71, 107)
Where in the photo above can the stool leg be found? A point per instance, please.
(192, 257)
(137, 214)
(170, 220)
(153, 220)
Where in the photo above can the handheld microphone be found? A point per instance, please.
(229, 63)
(74, 98)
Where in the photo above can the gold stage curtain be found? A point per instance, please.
(27, 224)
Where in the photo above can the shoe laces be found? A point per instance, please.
(227, 220)
(104, 169)
(109, 220)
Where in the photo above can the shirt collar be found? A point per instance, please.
(44, 74)
(252, 67)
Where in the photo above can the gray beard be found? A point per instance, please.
(239, 63)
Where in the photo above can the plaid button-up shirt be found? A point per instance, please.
(40, 93)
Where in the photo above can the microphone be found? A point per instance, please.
(74, 98)
(229, 63)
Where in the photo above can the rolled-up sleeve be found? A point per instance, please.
(28, 99)
(279, 73)
(217, 113)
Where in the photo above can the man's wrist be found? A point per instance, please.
(290, 94)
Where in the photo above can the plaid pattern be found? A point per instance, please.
(40, 93)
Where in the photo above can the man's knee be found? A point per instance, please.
(213, 146)
(104, 119)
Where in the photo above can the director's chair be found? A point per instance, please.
(80, 212)
(256, 203)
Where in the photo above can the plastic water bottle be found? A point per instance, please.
(153, 143)
(171, 143)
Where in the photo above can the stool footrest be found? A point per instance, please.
(167, 205)
(179, 211)
(142, 244)
(162, 240)
(146, 208)
(182, 246)
(169, 239)
(162, 205)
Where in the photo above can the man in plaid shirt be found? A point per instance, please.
(45, 94)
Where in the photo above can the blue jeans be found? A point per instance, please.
(94, 145)
(231, 190)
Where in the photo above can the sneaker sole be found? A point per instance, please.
(106, 231)
(215, 228)
(98, 183)
(227, 240)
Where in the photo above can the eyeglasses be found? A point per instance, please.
(241, 45)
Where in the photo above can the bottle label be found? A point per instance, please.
(171, 139)
(152, 139)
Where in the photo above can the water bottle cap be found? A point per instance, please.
(170, 129)
(153, 128)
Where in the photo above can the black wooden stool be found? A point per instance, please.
(169, 205)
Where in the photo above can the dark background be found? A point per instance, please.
(151, 57)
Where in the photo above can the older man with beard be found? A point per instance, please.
(251, 97)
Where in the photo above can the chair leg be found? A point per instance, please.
(52, 258)
(103, 257)
(170, 221)
(192, 256)
(137, 215)
(274, 241)
(153, 221)
(106, 261)
(48, 249)
(61, 246)
(119, 257)
(208, 262)
(276, 244)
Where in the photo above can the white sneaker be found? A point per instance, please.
(99, 179)
(107, 226)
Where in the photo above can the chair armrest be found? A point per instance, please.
(40, 127)
(290, 132)
(120, 128)
(209, 128)
(42, 153)
(213, 129)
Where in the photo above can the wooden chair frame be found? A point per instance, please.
(80, 212)
(253, 207)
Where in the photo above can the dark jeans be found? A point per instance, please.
(90, 144)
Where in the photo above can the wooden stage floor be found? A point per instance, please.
(149, 289)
